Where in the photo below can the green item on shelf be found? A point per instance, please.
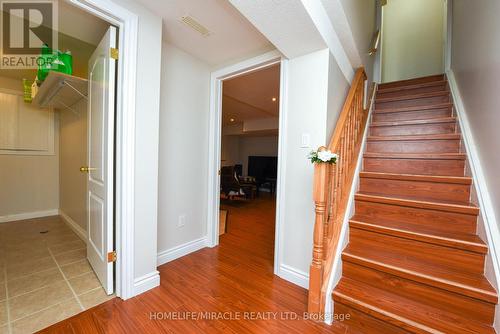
(57, 64)
(67, 59)
(27, 91)
(54, 61)
(45, 62)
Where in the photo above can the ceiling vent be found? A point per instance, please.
(193, 24)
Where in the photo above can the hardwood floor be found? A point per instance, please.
(235, 279)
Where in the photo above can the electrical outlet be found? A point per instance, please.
(182, 221)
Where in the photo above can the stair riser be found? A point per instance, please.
(412, 115)
(422, 101)
(416, 218)
(410, 82)
(405, 92)
(471, 308)
(414, 129)
(416, 189)
(433, 254)
(364, 322)
(415, 166)
(414, 146)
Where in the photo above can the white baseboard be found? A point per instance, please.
(483, 196)
(28, 215)
(74, 226)
(294, 276)
(181, 250)
(146, 282)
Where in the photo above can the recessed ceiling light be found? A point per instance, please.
(274, 99)
(231, 120)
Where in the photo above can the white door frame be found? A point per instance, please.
(127, 23)
(214, 144)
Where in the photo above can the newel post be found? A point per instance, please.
(317, 265)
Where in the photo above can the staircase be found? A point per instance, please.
(414, 262)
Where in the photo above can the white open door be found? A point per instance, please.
(100, 190)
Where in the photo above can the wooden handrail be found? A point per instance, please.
(375, 43)
(332, 185)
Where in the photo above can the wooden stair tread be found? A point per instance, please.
(443, 136)
(413, 86)
(439, 276)
(415, 122)
(399, 223)
(413, 81)
(411, 97)
(405, 200)
(467, 242)
(403, 312)
(413, 177)
(422, 229)
(414, 108)
(419, 203)
(426, 156)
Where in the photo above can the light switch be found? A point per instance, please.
(182, 221)
(306, 140)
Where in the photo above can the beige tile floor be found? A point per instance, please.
(44, 277)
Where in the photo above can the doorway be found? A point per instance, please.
(250, 119)
(249, 160)
(57, 177)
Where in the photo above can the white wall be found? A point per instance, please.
(29, 184)
(306, 112)
(183, 149)
(413, 40)
(362, 15)
(475, 54)
(338, 88)
(73, 155)
(230, 146)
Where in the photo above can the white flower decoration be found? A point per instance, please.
(326, 156)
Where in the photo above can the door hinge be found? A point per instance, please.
(113, 52)
(112, 256)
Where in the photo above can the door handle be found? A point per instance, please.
(84, 169)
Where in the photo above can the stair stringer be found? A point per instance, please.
(336, 272)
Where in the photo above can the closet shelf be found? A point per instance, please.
(61, 91)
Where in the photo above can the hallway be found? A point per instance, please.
(235, 279)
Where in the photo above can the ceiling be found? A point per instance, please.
(80, 24)
(250, 96)
(286, 23)
(231, 36)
